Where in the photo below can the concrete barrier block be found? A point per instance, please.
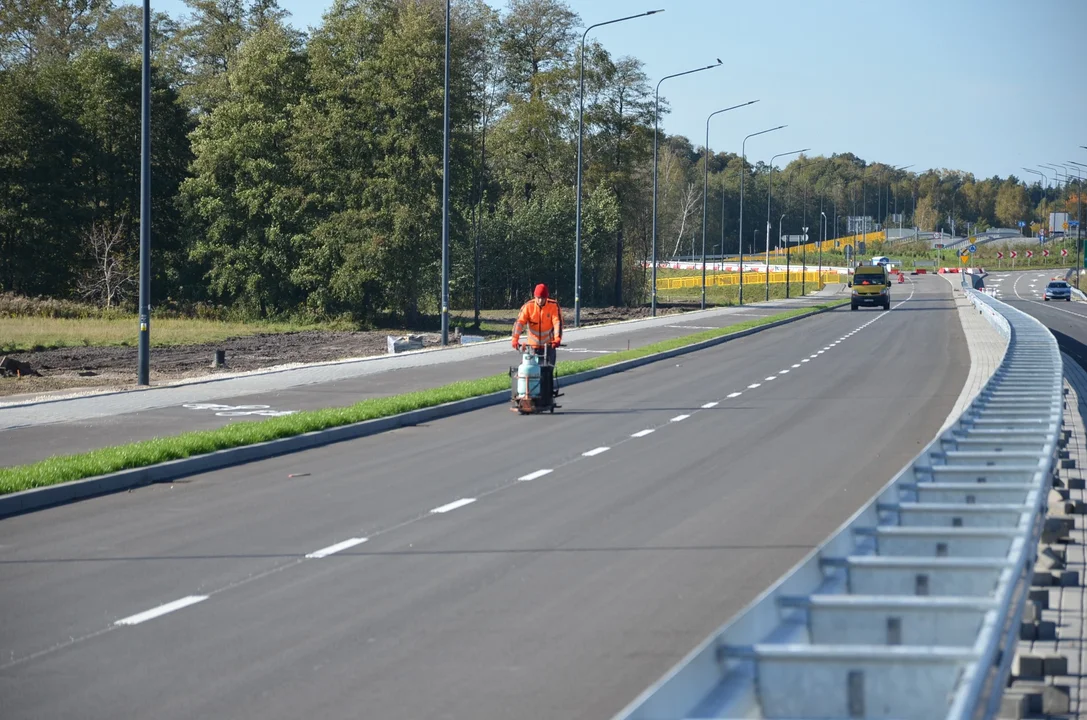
(1056, 700)
(1015, 705)
(1050, 559)
(1054, 665)
(1028, 665)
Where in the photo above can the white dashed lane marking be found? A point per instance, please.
(161, 610)
(533, 476)
(454, 505)
(338, 547)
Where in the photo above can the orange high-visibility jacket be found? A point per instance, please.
(544, 324)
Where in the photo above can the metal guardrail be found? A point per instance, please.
(912, 608)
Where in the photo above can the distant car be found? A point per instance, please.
(1058, 290)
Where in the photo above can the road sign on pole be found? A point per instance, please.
(973, 248)
(1045, 253)
(1000, 256)
(1030, 253)
(1015, 254)
(1064, 253)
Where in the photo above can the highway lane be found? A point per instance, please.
(26, 437)
(1066, 320)
(560, 596)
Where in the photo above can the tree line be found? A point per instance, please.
(301, 173)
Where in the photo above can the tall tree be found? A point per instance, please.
(244, 194)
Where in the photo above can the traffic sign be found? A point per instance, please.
(1000, 256)
(1045, 253)
(965, 257)
(973, 248)
(1064, 253)
(1030, 253)
(1022, 224)
(1015, 254)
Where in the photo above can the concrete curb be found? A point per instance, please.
(24, 501)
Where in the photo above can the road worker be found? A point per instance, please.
(540, 321)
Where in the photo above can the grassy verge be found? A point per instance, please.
(22, 334)
(65, 468)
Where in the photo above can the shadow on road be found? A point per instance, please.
(1072, 347)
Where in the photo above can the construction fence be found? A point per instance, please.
(728, 279)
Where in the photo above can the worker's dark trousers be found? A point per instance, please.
(547, 372)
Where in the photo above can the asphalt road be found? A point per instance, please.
(1066, 320)
(37, 432)
(478, 594)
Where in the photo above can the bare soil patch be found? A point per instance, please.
(114, 367)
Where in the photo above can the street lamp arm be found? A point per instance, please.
(686, 72)
(609, 22)
(718, 112)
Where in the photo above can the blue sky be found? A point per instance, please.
(984, 86)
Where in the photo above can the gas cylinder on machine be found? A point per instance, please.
(528, 375)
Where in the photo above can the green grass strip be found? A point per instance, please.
(65, 468)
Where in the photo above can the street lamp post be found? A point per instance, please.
(143, 352)
(705, 190)
(656, 125)
(804, 264)
(445, 191)
(1068, 175)
(1079, 197)
(769, 195)
(781, 224)
(819, 282)
(580, 137)
(740, 234)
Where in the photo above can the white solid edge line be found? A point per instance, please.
(679, 418)
(643, 433)
(595, 451)
(534, 475)
(709, 405)
(333, 549)
(735, 394)
(454, 505)
(161, 610)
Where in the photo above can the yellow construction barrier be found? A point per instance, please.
(726, 279)
(838, 244)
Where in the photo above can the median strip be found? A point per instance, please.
(148, 453)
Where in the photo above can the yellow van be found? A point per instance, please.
(871, 286)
